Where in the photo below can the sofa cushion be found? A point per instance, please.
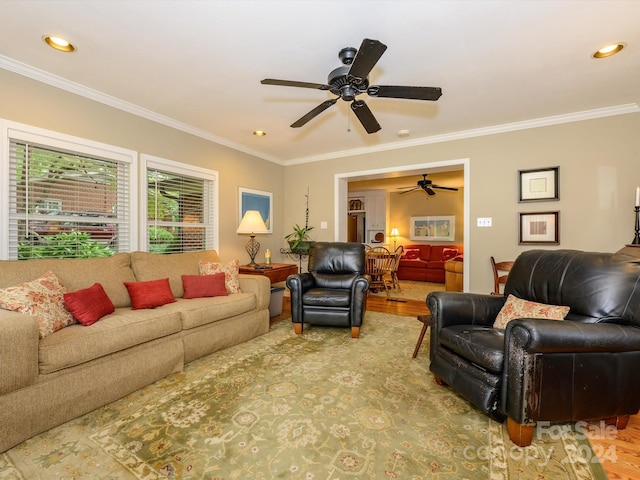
(149, 266)
(198, 286)
(89, 304)
(483, 346)
(41, 298)
(76, 273)
(517, 308)
(125, 328)
(150, 294)
(202, 311)
(230, 270)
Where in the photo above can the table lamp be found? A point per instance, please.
(251, 224)
(394, 234)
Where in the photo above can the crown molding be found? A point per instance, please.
(478, 132)
(78, 89)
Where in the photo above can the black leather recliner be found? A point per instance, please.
(585, 367)
(334, 291)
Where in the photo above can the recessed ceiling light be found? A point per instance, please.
(609, 50)
(59, 43)
(259, 133)
(403, 133)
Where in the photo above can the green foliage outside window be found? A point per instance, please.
(64, 245)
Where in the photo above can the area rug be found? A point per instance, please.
(320, 405)
(410, 290)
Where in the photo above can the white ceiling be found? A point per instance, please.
(197, 65)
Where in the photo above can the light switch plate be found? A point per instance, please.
(323, 225)
(484, 221)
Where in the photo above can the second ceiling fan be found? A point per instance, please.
(353, 79)
(426, 185)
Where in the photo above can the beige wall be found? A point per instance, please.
(599, 170)
(599, 164)
(33, 103)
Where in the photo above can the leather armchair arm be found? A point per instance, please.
(544, 357)
(298, 284)
(359, 299)
(552, 336)
(455, 308)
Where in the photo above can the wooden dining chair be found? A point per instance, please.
(500, 273)
(393, 268)
(378, 262)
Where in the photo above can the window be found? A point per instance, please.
(67, 197)
(180, 206)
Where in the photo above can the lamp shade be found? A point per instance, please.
(252, 223)
(394, 232)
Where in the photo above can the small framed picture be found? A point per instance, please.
(539, 228)
(434, 229)
(539, 184)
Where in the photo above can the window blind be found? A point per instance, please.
(179, 212)
(66, 204)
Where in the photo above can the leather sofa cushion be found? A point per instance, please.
(483, 346)
(327, 297)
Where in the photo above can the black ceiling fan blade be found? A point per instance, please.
(313, 113)
(411, 189)
(368, 55)
(290, 83)
(453, 189)
(365, 116)
(429, 191)
(412, 93)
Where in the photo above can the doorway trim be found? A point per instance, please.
(341, 187)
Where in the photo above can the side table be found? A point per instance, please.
(277, 273)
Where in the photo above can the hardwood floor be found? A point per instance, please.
(618, 451)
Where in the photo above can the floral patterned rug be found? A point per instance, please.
(320, 405)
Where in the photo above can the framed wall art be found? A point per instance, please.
(249, 199)
(434, 229)
(539, 228)
(539, 184)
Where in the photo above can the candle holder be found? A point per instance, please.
(636, 239)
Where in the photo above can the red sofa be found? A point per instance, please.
(425, 263)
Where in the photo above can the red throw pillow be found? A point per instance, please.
(197, 286)
(150, 294)
(449, 253)
(89, 304)
(412, 254)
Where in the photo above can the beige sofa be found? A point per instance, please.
(44, 383)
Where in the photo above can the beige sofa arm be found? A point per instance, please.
(258, 284)
(18, 351)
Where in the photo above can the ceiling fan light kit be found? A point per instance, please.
(352, 79)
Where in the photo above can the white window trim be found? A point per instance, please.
(149, 161)
(19, 131)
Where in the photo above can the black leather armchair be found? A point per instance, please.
(585, 367)
(334, 291)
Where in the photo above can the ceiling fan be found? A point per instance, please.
(353, 79)
(426, 185)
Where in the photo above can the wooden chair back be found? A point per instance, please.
(500, 273)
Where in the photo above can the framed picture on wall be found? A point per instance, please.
(249, 199)
(434, 229)
(538, 184)
(539, 228)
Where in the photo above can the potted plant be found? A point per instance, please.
(299, 241)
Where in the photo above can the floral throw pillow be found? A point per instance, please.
(42, 298)
(412, 254)
(230, 270)
(449, 253)
(515, 307)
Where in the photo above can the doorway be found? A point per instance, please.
(341, 187)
